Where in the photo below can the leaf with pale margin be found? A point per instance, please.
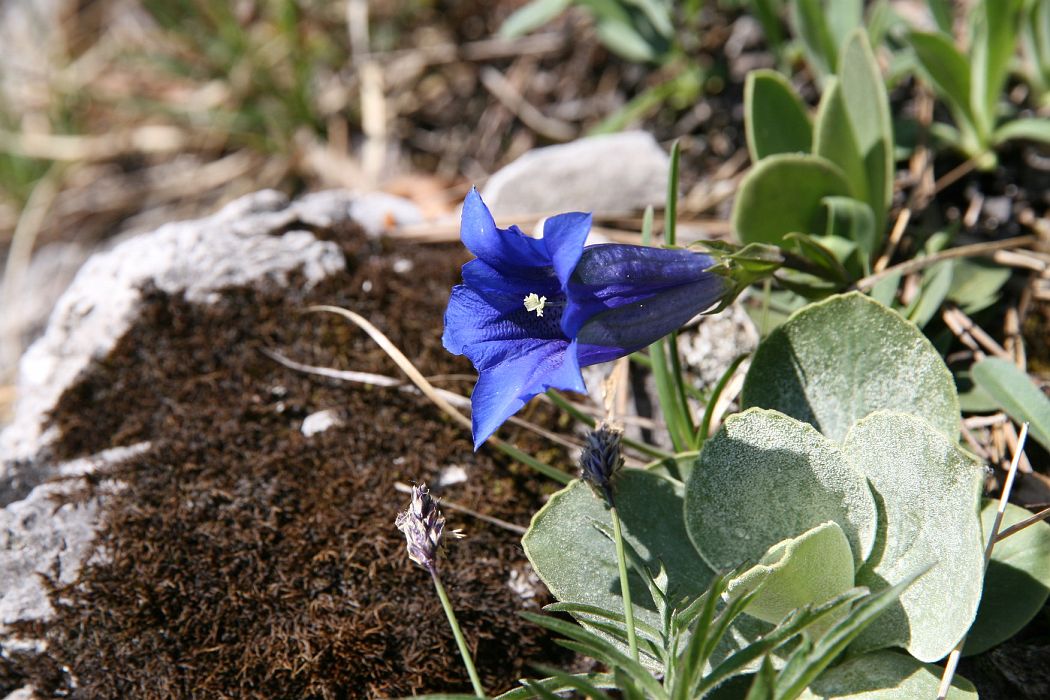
(1017, 394)
(1028, 129)
(774, 117)
(835, 140)
(836, 361)
(947, 69)
(806, 570)
(976, 283)
(578, 562)
(867, 107)
(884, 675)
(927, 490)
(1017, 582)
(784, 194)
(766, 477)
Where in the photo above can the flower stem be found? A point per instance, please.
(461, 641)
(625, 589)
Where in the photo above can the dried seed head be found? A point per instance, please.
(424, 527)
(601, 458)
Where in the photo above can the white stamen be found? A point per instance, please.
(534, 302)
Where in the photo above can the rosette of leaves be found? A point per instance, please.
(820, 186)
(971, 82)
(843, 471)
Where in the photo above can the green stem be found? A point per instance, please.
(461, 641)
(527, 459)
(564, 404)
(625, 589)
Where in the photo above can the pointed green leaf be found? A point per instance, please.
(774, 116)
(783, 194)
(976, 283)
(1017, 582)
(836, 361)
(947, 70)
(810, 23)
(994, 44)
(936, 283)
(600, 680)
(867, 106)
(927, 490)
(1017, 394)
(532, 16)
(764, 478)
(834, 139)
(1029, 129)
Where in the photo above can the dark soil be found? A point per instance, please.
(245, 560)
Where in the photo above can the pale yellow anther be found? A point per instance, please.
(534, 302)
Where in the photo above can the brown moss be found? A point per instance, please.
(242, 559)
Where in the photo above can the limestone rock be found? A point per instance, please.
(617, 173)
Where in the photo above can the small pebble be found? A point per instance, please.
(320, 422)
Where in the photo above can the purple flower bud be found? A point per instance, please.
(601, 458)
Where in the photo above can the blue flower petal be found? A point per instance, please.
(491, 329)
(500, 248)
(483, 278)
(504, 389)
(564, 236)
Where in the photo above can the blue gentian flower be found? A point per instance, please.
(531, 312)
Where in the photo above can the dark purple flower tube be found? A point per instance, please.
(621, 298)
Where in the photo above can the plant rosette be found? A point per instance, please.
(843, 470)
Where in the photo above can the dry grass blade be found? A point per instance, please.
(440, 401)
(371, 379)
(894, 240)
(403, 363)
(993, 537)
(975, 250)
(966, 330)
(504, 91)
(1027, 522)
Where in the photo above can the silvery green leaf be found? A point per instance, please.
(836, 361)
(806, 570)
(884, 675)
(927, 490)
(578, 562)
(766, 477)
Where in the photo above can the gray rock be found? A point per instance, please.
(250, 241)
(618, 173)
(234, 247)
(33, 295)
